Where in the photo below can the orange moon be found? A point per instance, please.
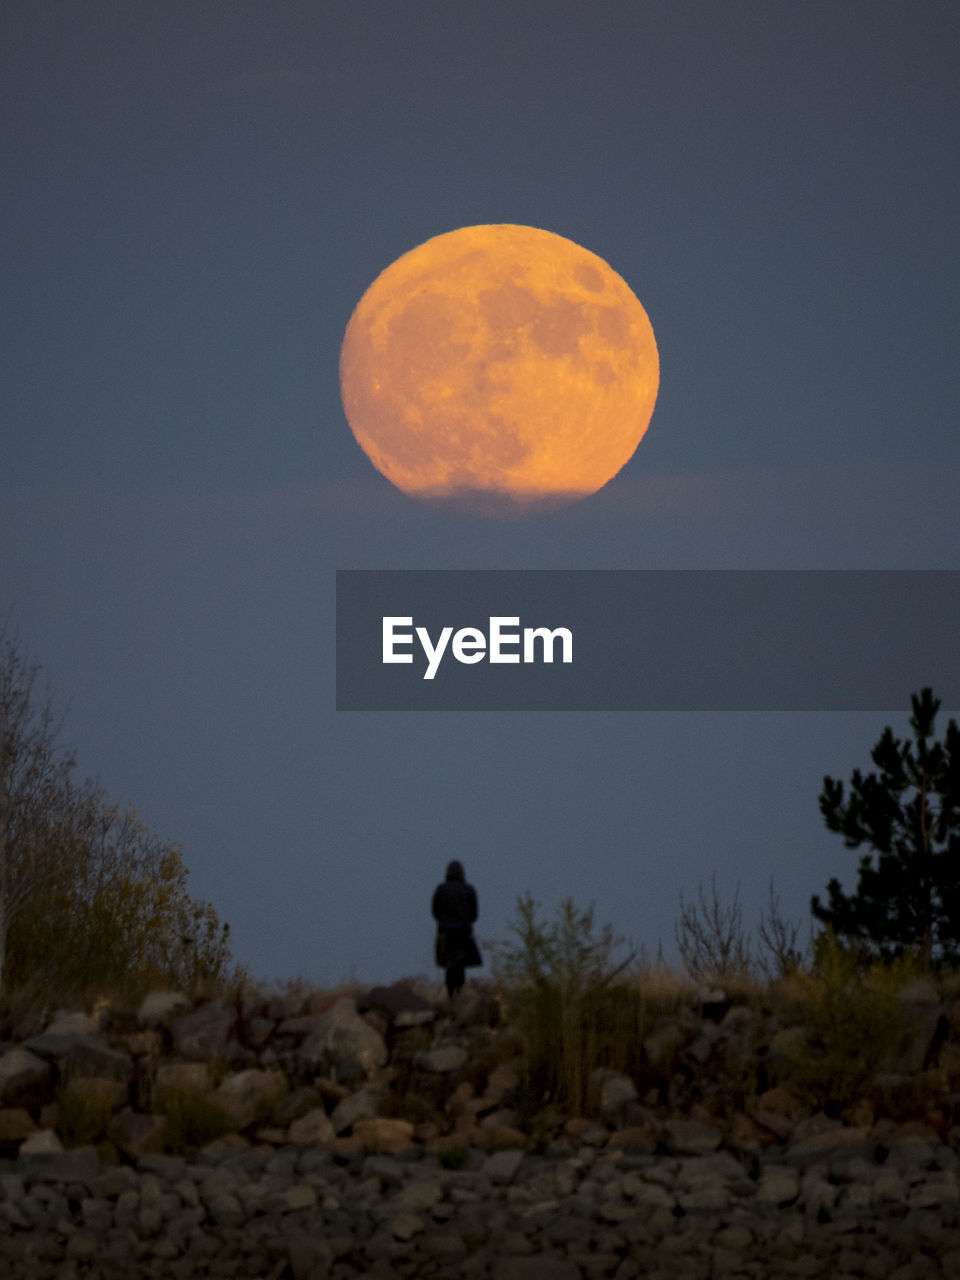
(502, 367)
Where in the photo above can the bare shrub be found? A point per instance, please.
(710, 936)
(779, 953)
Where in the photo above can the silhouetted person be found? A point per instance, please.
(455, 909)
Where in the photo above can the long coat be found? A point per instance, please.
(454, 908)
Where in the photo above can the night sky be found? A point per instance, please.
(195, 196)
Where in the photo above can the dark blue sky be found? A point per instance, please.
(196, 196)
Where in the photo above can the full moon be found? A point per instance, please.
(501, 367)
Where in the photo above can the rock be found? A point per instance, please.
(313, 1130)
(541, 1266)
(93, 1057)
(637, 1140)
(383, 1134)
(664, 1043)
(616, 1090)
(309, 1256)
(344, 1044)
(136, 1134)
(501, 1081)
(69, 1023)
(773, 1122)
(41, 1143)
(15, 1124)
(361, 1105)
(688, 1138)
(24, 1078)
(501, 1166)
(927, 1029)
(400, 1005)
(257, 1031)
(202, 1035)
(778, 1186)
(296, 1104)
(247, 1096)
(443, 1059)
(181, 1077)
(159, 1008)
(406, 1225)
(811, 1149)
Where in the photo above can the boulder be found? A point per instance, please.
(15, 1124)
(24, 1079)
(93, 1057)
(668, 1037)
(689, 1138)
(159, 1008)
(343, 1044)
(181, 1077)
(382, 1134)
(361, 1105)
(66, 1022)
(247, 1096)
(616, 1091)
(43, 1142)
(443, 1059)
(202, 1034)
(312, 1130)
(400, 1005)
(135, 1134)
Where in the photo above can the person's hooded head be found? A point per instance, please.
(455, 871)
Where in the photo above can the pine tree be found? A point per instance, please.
(908, 899)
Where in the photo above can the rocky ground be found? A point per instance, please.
(578, 1209)
(383, 1134)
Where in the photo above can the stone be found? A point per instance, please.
(501, 1166)
(778, 1186)
(400, 1005)
(247, 1096)
(616, 1090)
(159, 1008)
(24, 1079)
(66, 1022)
(344, 1044)
(181, 1077)
(539, 1266)
(296, 1104)
(291, 1200)
(817, 1146)
(775, 1124)
(638, 1139)
(687, 1137)
(135, 1134)
(257, 1031)
(380, 1133)
(202, 1034)
(92, 1057)
(361, 1105)
(313, 1130)
(662, 1046)
(443, 1059)
(42, 1142)
(16, 1124)
(309, 1256)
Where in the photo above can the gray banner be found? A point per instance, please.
(645, 640)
